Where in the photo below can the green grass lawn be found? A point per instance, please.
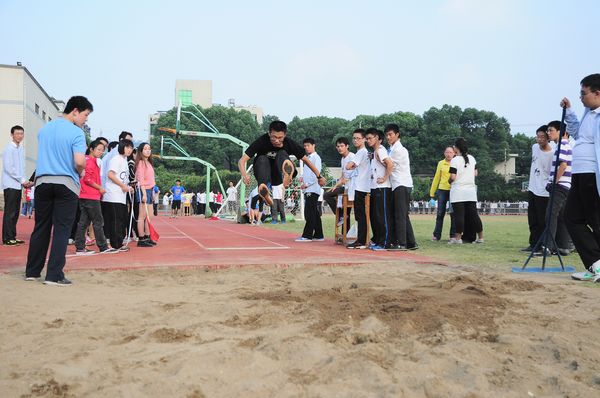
(504, 237)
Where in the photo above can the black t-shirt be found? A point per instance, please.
(263, 146)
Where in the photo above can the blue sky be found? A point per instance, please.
(307, 58)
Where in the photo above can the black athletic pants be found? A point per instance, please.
(313, 229)
(12, 205)
(536, 216)
(583, 217)
(403, 234)
(55, 207)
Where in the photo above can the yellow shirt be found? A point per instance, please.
(442, 175)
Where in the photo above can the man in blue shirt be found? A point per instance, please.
(60, 164)
(582, 211)
(176, 190)
(13, 180)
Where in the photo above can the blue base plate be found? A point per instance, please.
(568, 268)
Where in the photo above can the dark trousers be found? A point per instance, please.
(313, 229)
(466, 218)
(90, 212)
(135, 208)
(155, 208)
(117, 222)
(403, 234)
(360, 215)
(381, 216)
(104, 207)
(268, 170)
(536, 216)
(202, 208)
(556, 222)
(12, 205)
(443, 196)
(75, 222)
(331, 197)
(55, 207)
(583, 217)
(278, 209)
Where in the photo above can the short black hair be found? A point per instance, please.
(309, 140)
(177, 180)
(375, 132)
(278, 125)
(555, 124)
(359, 131)
(15, 128)
(124, 134)
(392, 127)
(543, 128)
(112, 145)
(95, 143)
(78, 102)
(342, 140)
(102, 139)
(123, 144)
(592, 81)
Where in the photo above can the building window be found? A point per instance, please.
(185, 97)
(44, 115)
(37, 109)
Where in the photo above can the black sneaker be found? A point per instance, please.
(527, 249)
(396, 248)
(108, 250)
(287, 170)
(19, 241)
(356, 245)
(144, 243)
(62, 282)
(415, 247)
(147, 239)
(84, 252)
(263, 192)
(11, 242)
(33, 278)
(540, 252)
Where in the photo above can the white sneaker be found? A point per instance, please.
(454, 241)
(303, 239)
(595, 268)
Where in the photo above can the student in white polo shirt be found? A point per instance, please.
(403, 237)
(362, 187)
(381, 191)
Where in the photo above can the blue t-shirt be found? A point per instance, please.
(58, 140)
(177, 191)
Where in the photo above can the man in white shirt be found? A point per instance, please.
(232, 198)
(13, 180)
(541, 161)
(362, 187)
(202, 202)
(381, 191)
(403, 237)
(344, 184)
(582, 210)
(313, 229)
(278, 207)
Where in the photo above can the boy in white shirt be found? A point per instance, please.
(381, 191)
(402, 183)
(362, 187)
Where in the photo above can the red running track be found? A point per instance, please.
(194, 242)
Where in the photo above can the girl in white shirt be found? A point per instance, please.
(463, 193)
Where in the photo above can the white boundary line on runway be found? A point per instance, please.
(250, 236)
(249, 248)
(186, 235)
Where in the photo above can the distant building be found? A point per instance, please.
(24, 102)
(197, 92)
(507, 169)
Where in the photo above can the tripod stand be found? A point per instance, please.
(547, 238)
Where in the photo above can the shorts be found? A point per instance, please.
(138, 196)
(176, 205)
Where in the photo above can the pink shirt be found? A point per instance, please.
(92, 175)
(144, 174)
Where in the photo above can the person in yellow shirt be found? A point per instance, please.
(441, 186)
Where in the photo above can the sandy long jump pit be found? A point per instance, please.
(393, 329)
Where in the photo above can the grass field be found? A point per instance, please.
(504, 236)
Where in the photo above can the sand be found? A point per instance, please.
(391, 330)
